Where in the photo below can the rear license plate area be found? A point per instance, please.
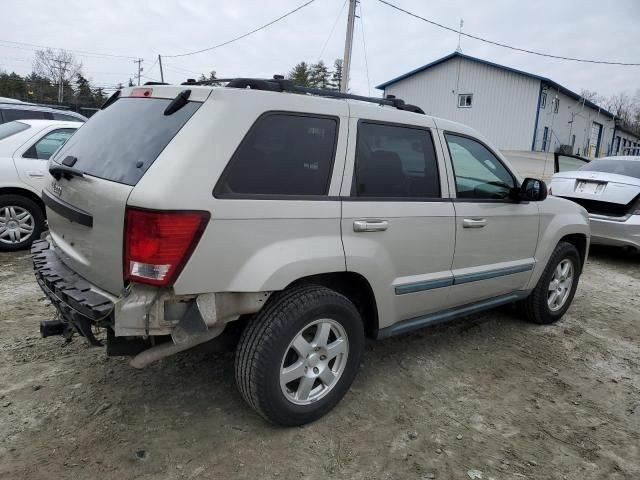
(589, 188)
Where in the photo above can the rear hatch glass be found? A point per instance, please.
(11, 128)
(122, 141)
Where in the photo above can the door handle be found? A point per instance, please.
(474, 222)
(370, 225)
(35, 174)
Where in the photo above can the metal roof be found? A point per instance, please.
(546, 80)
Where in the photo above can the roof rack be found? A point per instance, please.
(279, 84)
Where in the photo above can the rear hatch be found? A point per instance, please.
(112, 151)
(599, 193)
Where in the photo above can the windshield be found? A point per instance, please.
(122, 141)
(11, 128)
(630, 168)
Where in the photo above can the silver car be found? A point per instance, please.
(609, 189)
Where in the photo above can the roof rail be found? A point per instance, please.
(279, 84)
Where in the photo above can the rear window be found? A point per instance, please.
(283, 154)
(11, 128)
(630, 168)
(122, 141)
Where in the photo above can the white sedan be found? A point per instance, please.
(25, 148)
(609, 189)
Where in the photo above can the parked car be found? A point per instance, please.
(299, 223)
(17, 110)
(609, 189)
(25, 148)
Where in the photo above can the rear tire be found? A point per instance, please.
(553, 294)
(298, 356)
(21, 222)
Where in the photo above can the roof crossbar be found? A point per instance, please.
(279, 84)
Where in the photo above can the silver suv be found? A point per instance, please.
(293, 225)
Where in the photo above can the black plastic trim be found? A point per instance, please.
(68, 211)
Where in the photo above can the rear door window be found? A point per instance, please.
(65, 117)
(283, 154)
(47, 145)
(394, 161)
(122, 141)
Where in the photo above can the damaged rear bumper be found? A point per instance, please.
(144, 320)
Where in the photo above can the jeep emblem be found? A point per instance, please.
(56, 188)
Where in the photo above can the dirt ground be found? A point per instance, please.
(486, 397)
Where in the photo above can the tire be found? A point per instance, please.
(538, 306)
(266, 349)
(27, 214)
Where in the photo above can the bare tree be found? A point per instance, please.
(591, 96)
(58, 66)
(622, 106)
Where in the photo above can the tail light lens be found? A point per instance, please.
(159, 243)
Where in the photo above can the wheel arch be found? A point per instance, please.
(25, 193)
(581, 243)
(353, 286)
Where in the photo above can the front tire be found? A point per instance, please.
(552, 296)
(21, 222)
(298, 356)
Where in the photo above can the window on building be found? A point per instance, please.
(47, 145)
(283, 154)
(465, 100)
(543, 100)
(478, 172)
(556, 105)
(395, 162)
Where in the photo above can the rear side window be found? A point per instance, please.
(10, 115)
(122, 141)
(47, 145)
(395, 162)
(283, 154)
(11, 128)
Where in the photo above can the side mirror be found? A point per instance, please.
(532, 190)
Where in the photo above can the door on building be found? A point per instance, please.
(594, 139)
(545, 138)
(616, 148)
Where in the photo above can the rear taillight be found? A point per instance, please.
(157, 244)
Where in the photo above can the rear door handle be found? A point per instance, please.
(35, 174)
(474, 222)
(370, 225)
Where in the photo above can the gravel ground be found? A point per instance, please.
(486, 397)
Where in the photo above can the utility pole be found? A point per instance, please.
(459, 49)
(161, 72)
(348, 43)
(139, 62)
(62, 68)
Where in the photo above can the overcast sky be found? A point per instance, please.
(395, 42)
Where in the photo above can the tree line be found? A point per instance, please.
(317, 75)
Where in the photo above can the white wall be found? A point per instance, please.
(504, 103)
(560, 124)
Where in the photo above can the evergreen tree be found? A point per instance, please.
(300, 75)
(336, 77)
(83, 90)
(319, 76)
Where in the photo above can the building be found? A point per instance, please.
(516, 110)
(625, 142)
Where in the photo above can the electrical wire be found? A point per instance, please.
(332, 30)
(364, 48)
(504, 45)
(77, 52)
(291, 12)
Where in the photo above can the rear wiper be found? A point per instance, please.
(58, 171)
(177, 103)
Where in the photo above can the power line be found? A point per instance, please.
(364, 48)
(244, 35)
(78, 52)
(332, 29)
(503, 45)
